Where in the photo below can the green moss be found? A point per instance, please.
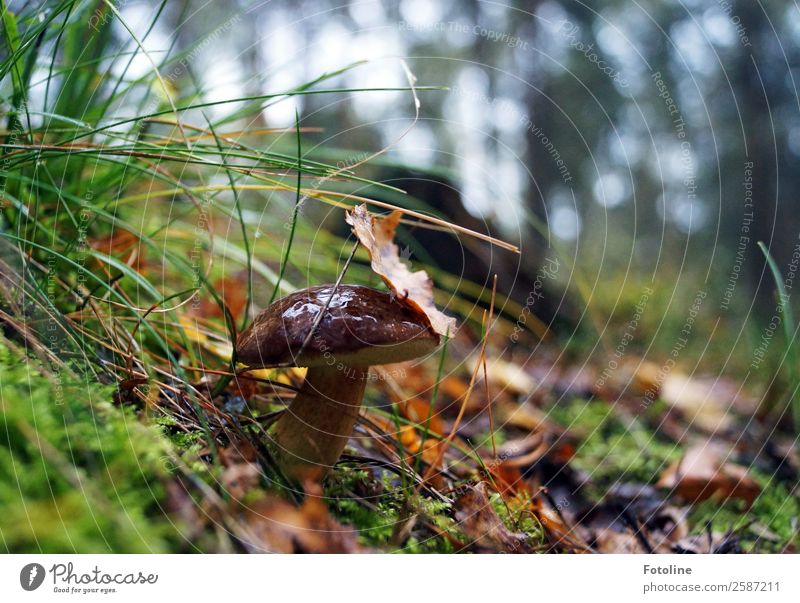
(612, 450)
(375, 517)
(76, 473)
(516, 517)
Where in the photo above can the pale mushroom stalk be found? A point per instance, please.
(315, 428)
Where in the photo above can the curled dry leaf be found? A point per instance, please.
(704, 473)
(412, 288)
(478, 519)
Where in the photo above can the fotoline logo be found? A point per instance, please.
(31, 576)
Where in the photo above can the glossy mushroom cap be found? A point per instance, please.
(361, 326)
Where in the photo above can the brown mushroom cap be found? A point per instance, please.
(361, 326)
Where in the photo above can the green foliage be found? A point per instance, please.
(76, 473)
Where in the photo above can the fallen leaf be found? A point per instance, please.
(123, 244)
(703, 401)
(409, 436)
(241, 478)
(241, 473)
(419, 411)
(525, 452)
(511, 377)
(412, 288)
(232, 290)
(613, 542)
(281, 527)
(193, 331)
(453, 387)
(559, 534)
(524, 416)
(704, 473)
(481, 523)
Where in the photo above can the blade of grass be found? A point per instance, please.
(295, 212)
(789, 331)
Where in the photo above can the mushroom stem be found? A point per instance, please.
(312, 433)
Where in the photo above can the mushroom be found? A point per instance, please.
(360, 327)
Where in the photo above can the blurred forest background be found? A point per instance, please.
(635, 140)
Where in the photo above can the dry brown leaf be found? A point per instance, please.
(478, 519)
(524, 416)
(704, 473)
(420, 412)
(281, 527)
(510, 377)
(524, 452)
(409, 436)
(613, 542)
(124, 245)
(242, 473)
(559, 534)
(412, 288)
(703, 401)
(232, 290)
(453, 387)
(241, 478)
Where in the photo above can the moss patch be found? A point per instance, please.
(76, 473)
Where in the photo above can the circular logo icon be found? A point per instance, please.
(31, 576)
